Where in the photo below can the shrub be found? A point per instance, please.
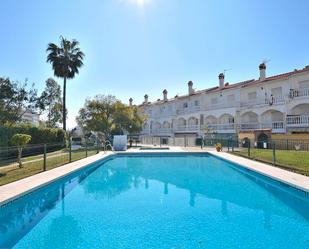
(38, 135)
(20, 140)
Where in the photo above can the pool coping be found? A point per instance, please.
(14, 190)
(21, 187)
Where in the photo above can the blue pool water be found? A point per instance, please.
(159, 201)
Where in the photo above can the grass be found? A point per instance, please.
(297, 161)
(10, 171)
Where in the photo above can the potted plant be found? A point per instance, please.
(218, 147)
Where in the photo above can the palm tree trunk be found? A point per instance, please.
(63, 104)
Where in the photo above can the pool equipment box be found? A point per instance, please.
(120, 142)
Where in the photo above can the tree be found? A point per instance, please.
(108, 115)
(20, 140)
(53, 103)
(16, 99)
(66, 60)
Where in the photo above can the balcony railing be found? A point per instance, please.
(221, 106)
(299, 93)
(266, 101)
(276, 126)
(189, 128)
(162, 131)
(250, 126)
(218, 127)
(190, 109)
(297, 121)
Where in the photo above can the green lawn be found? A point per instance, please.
(297, 161)
(10, 171)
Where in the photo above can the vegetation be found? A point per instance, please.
(20, 140)
(108, 115)
(39, 135)
(297, 161)
(66, 60)
(16, 99)
(53, 102)
(218, 147)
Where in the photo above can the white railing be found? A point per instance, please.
(161, 131)
(272, 100)
(221, 106)
(297, 121)
(249, 126)
(218, 127)
(183, 128)
(190, 109)
(276, 126)
(299, 93)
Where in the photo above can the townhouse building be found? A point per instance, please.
(277, 104)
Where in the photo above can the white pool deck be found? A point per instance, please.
(13, 190)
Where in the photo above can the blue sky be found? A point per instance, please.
(135, 47)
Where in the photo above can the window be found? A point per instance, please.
(185, 105)
(196, 103)
(252, 96)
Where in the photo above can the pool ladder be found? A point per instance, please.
(106, 145)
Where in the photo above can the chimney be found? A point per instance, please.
(221, 80)
(262, 68)
(190, 87)
(165, 95)
(146, 99)
(130, 101)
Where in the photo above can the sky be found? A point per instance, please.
(134, 47)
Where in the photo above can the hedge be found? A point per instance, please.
(39, 135)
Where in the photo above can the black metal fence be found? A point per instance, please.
(289, 154)
(41, 157)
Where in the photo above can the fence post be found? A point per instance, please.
(232, 146)
(86, 149)
(44, 165)
(249, 145)
(274, 153)
(70, 152)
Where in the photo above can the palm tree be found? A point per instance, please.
(66, 59)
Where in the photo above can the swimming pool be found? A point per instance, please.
(160, 200)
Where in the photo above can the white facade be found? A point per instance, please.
(279, 103)
(31, 117)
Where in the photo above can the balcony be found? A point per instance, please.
(221, 106)
(275, 126)
(297, 122)
(189, 128)
(161, 131)
(219, 128)
(274, 100)
(187, 110)
(299, 93)
(249, 126)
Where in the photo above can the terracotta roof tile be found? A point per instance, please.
(234, 85)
